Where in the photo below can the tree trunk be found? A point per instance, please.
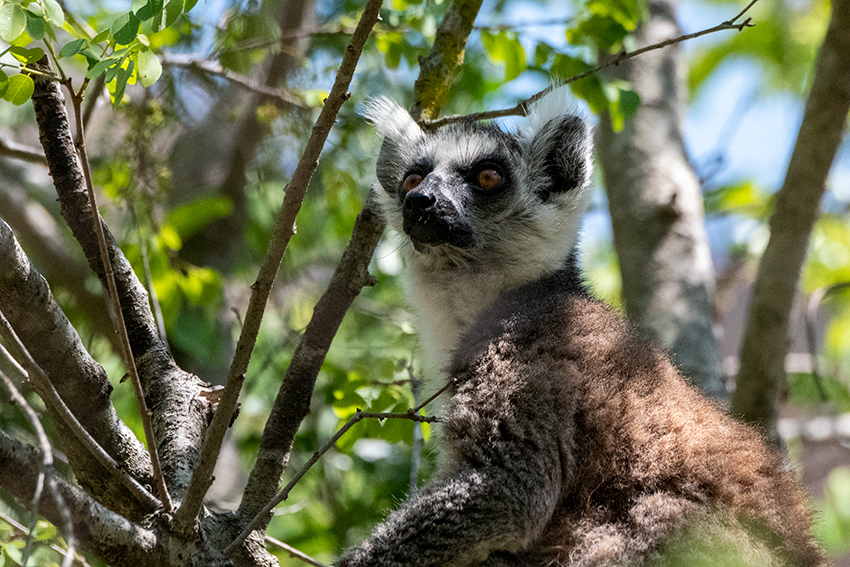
(762, 372)
(657, 213)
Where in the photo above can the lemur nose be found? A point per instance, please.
(418, 202)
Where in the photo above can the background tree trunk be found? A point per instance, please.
(762, 372)
(657, 211)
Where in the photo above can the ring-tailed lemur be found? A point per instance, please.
(568, 439)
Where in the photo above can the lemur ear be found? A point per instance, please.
(560, 144)
(399, 130)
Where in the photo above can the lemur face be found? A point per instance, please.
(472, 192)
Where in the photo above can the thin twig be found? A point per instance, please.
(15, 150)
(54, 400)
(522, 108)
(215, 68)
(121, 327)
(261, 288)
(294, 553)
(284, 493)
(45, 475)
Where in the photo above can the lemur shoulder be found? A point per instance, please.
(567, 438)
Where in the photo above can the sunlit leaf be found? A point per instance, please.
(13, 21)
(149, 67)
(25, 55)
(19, 89)
(4, 83)
(504, 47)
(54, 12)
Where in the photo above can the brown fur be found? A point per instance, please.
(643, 457)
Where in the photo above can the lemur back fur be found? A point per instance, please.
(568, 439)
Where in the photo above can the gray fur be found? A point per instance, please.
(568, 440)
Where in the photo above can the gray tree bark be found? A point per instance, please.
(657, 212)
(765, 345)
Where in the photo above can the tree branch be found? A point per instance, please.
(439, 69)
(120, 326)
(48, 393)
(180, 414)
(215, 68)
(15, 150)
(80, 381)
(45, 474)
(522, 108)
(202, 477)
(765, 343)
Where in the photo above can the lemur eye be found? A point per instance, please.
(488, 178)
(411, 182)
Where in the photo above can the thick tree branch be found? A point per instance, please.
(656, 208)
(48, 393)
(180, 413)
(765, 343)
(113, 538)
(120, 325)
(284, 225)
(47, 245)
(439, 69)
(45, 474)
(80, 381)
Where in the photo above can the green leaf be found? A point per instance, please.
(54, 12)
(125, 28)
(13, 21)
(505, 47)
(123, 75)
(102, 36)
(72, 48)
(188, 5)
(4, 83)
(100, 67)
(36, 26)
(149, 68)
(25, 55)
(19, 89)
(173, 10)
(188, 219)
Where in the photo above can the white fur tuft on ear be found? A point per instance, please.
(554, 104)
(390, 119)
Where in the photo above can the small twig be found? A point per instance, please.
(522, 108)
(215, 68)
(54, 400)
(15, 150)
(294, 553)
(45, 475)
(261, 288)
(284, 493)
(121, 327)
